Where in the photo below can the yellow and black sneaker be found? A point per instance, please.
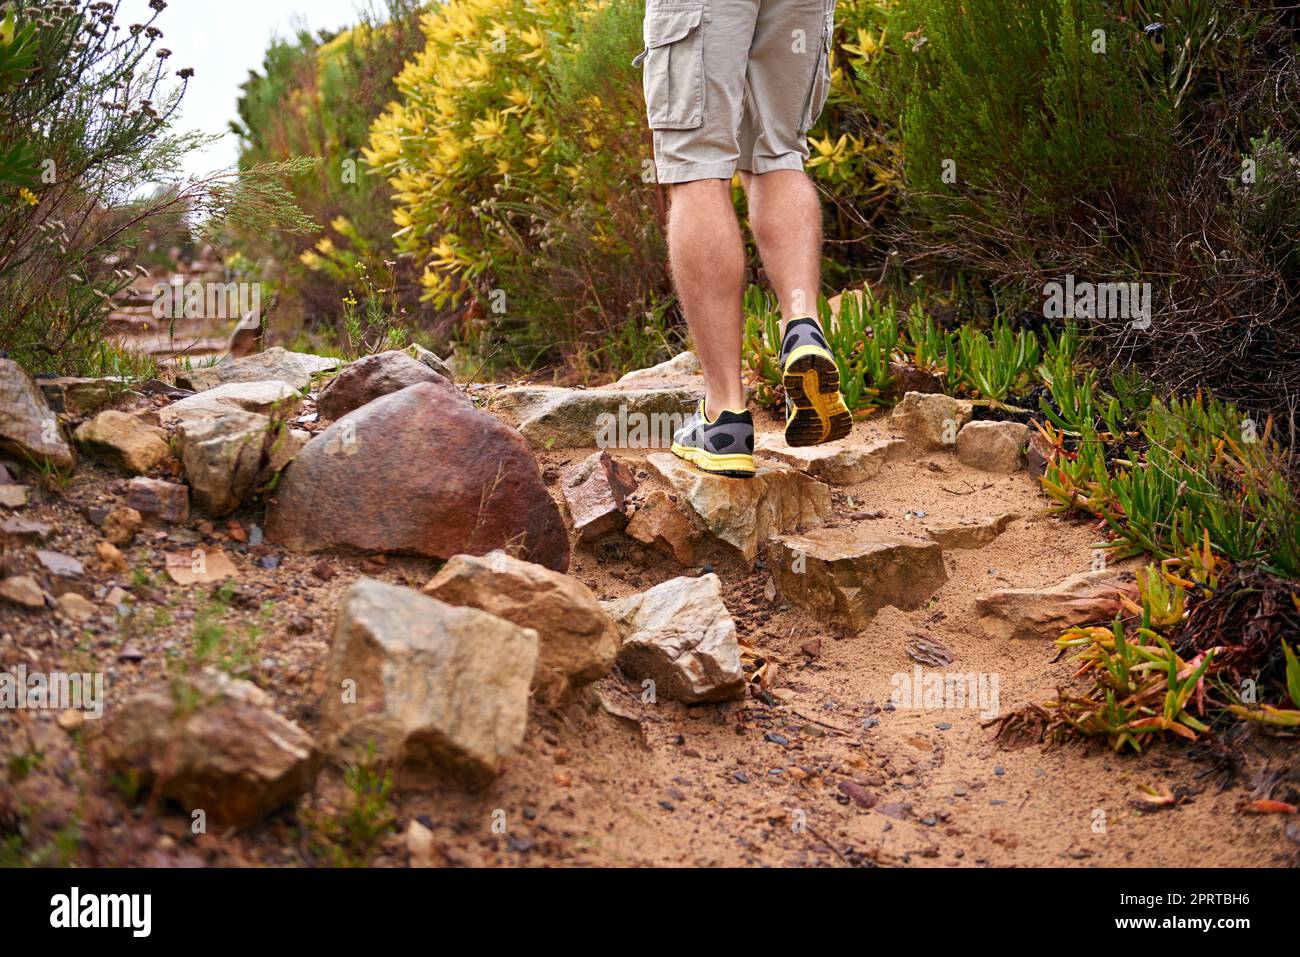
(724, 446)
(814, 409)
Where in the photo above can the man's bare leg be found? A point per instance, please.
(785, 214)
(707, 259)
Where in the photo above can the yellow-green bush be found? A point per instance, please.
(523, 174)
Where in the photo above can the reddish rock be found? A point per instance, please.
(905, 377)
(663, 525)
(154, 498)
(412, 472)
(1044, 613)
(368, 378)
(596, 496)
(1038, 452)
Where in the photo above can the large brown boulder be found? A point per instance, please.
(412, 472)
(370, 377)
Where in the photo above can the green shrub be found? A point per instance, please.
(1035, 139)
(316, 95)
(88, 105)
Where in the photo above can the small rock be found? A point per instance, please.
(439, 690)
(431, 360)
(931, 421)
(156, 499)
(110, 556)
(578, 640)
(665, 527)
(992, 446)
(75, 607)
(744, 513)
(28, 426)
(13, 496)
(596, 503)
(369, 377)
(680, 635)
(80, 397)
(421, 849)
(124, 440)
(71, 719)
(1045, 613)
(228, 753)
(121, 524)
(60, 565)
(848, 579)
(22, 590)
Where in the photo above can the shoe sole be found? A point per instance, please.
(812, 382)
(732, 466)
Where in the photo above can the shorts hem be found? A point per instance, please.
(770, 164)
(690, 172)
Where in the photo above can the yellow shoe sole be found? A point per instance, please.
(734, 466)
(812, 382)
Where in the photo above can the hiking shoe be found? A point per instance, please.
(724, 446)
(814, 409)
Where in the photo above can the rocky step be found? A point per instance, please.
(846, 462)
(839, 576)
(742, 514)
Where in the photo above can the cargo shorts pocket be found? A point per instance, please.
(820, 90)
(673, 67)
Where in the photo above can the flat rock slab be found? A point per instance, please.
(846, 462)
(551, 418)
(680, 635)
(1045, 613)
(28, 426)
(261, 397)
(970, 534)
(839, 577)
(79, 396)
(744, 513)
(295, 368)
(439, 691)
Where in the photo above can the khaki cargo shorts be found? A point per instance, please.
(734, 84)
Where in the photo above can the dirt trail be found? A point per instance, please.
(612, 780)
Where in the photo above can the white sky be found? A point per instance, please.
(222, 41)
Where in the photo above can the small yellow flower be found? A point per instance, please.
(29, 196)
